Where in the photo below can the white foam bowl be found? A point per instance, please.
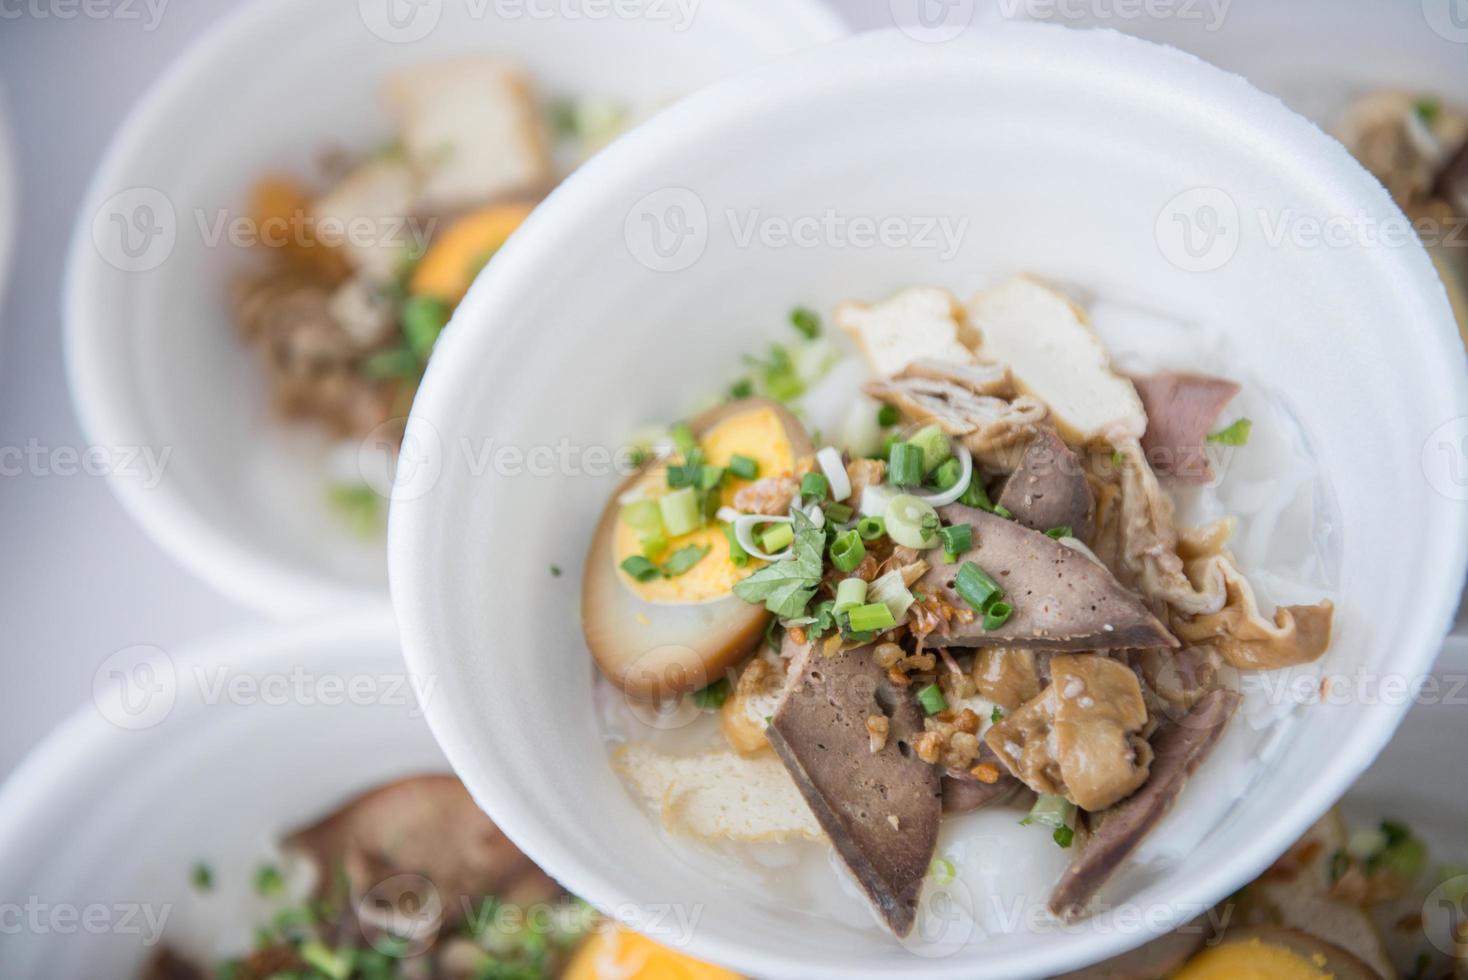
(152, 349)
(213, 756)
(1064, 150)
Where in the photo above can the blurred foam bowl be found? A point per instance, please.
(152, 349)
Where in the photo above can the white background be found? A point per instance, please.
(80, 580)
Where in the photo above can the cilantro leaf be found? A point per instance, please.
(787, 587)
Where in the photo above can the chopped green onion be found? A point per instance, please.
(946, 476)
(710, 477)
(1002, 511)
(934, 444)
(268, 881)
(871, 528)
(336, 964)
(654, 545)
(680, 511)
(847, 551)
(807, 322)
(814, 486)
(1428, 108)
(905, 465)
(396, 362)
(942, 871)
(683, 559)
(744, 467)
(996, 716)
(887, 415)
(684, 439)
(643, 516)
(974, 495)
(840, 513)
(932, 700)
(1366, 843)
(1236, 434)
(872, 616)
(737, 555)
(850, 592)
(712, 698)
(1406, 858)
(892, 590)
(997, 615)
(1063, 836)
(640, 568)
(202, 877)
(912, 521)
(1063, 531)
(555, 571)
(1453, 880)
(976, 586)
(776, 538)
(423, 320)
(1050, 811)
(742, 388)
(957, 539)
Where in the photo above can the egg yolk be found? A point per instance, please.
(614, 953)
(758, 434)
(1254, 960)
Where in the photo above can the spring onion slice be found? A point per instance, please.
(872, 616)
(965, 474)
(1050, 811)
(851, 592)
(911, 521)
(932, 700)
(892, 591)
(874, 500)
(744, 526)
(835, 470)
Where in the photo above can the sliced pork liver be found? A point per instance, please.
(1049, 489)
(1178, 749)
(1062, 599)
(1182, 409)
(880, 809)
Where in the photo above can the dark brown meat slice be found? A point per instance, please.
(1062, 599)
(1178, 749)
(1182, 409)
(1049, 489)
(880, 809)
(429, 826)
